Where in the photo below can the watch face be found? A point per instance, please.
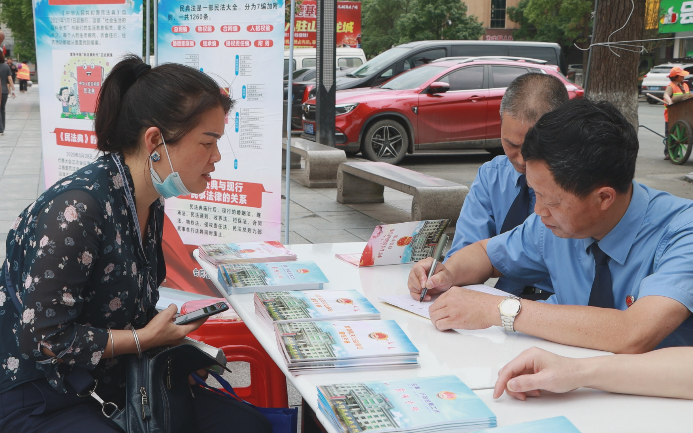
(510, 307)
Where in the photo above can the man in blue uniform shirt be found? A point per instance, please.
(499, 199)
(618, 253)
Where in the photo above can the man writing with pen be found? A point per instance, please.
(500, 199)
(618, 254)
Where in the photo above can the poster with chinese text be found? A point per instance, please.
(239, 45)
(348, 25)
(77, 44)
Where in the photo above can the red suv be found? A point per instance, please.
(443, 106)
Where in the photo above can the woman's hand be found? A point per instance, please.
(161, 331)
(536, 369)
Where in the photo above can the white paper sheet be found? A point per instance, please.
(406, 302)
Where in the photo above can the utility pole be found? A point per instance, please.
(325, 65)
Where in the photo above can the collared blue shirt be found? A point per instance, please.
(486, 206)
(651, 251)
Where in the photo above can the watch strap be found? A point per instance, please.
(508, 322)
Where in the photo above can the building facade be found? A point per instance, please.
(359, 404)
(492, 15)
(305, 340)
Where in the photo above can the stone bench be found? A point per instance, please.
(434, 198)
(321, 163)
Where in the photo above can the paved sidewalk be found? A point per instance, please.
(20, 159)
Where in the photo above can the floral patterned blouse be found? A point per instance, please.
(75, 265)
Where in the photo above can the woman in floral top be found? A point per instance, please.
(84, 261)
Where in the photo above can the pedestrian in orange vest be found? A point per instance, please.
(23, 76)
(676, 91)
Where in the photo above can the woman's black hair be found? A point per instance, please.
(2, 57)
(171, 97)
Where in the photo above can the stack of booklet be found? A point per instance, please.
(425, 404)
(323, 346)
(255, 277)
(246, 252)
(282, 307)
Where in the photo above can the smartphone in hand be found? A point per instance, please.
(207, 311)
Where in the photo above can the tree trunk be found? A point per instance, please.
(612, 78)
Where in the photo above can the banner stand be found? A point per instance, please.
(289, 106)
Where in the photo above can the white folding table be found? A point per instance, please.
(473, 356)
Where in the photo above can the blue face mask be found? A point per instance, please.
(173, 185)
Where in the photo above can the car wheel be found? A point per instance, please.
(496, 151)
(652, 101)
(386, 141)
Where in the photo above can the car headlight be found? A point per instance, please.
(344, 108)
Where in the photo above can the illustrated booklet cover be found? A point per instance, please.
(348, 345)
(255, 277)
(246, 252)
(423, 404)
(559, 424)
(281, 307)
(393, 244)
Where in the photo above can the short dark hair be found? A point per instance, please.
(171, 97)
(531, 95)
(586, 145)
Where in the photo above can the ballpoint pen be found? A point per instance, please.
(437, 258)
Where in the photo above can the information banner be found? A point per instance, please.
(239, 45)
(77, 44)
(348, 25)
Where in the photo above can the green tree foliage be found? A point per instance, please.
(563, 21)
(379, 24)
(19, 17)
(438, 19)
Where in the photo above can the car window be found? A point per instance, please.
(688, 69)
(465, 79)
(387, 74)
(661, 70)
(296, 74)
(541, 53)
(286, 66)
(309, 76)
(504, 75)
(423, 58)
(308, 63)
(414, 78)
(349, 62)
(380, 61)
(479, 50)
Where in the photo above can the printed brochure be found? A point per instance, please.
(392, 244)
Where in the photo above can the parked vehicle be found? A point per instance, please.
(407, 56)
(303, 81)
(306, 58)
(657, 80)
(444, 106)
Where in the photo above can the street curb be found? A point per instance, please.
(689, 177)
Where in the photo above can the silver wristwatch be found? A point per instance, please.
(509, 309)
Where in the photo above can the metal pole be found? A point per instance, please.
(147, 32)
(289, 104)
(156, 32)
(589, 55)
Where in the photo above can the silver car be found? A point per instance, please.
(657, 80)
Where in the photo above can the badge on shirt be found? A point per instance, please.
(629, 300)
